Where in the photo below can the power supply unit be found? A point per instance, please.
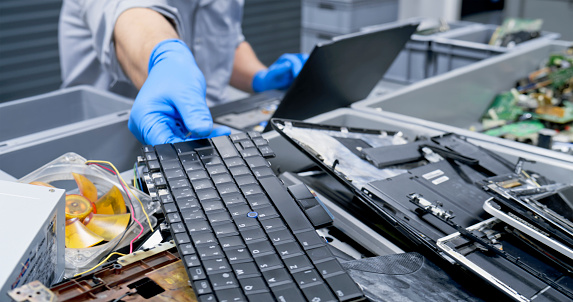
(32, 226)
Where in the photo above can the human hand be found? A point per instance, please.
(171, 107)
(280, 74)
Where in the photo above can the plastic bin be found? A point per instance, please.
(346, 16)
(310, 37)
(416, 61)
(461, 48)
(92, 123)
(291, 159)
(455, 101)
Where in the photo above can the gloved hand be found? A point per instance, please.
(170, 106)
(280, 74)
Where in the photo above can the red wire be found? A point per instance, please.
(130, 205)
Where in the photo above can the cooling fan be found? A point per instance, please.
(98, 215)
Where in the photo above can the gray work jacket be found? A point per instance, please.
(211, 29)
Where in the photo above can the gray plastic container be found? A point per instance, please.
(291, 159)
(416, 61)
(461, 48)
(92, 123)
(310, 37)
(455, 101)
(346, 16)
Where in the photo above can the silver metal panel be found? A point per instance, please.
(32, 220)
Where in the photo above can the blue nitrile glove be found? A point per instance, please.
(171, 107)
(280, 74)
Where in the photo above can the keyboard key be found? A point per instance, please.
(197, 225)
(174, 173)
(319, 254)
(216, 169)
(196, 273)
(249, 152)
(153, 165)
(288, 249)
(231, 295)
(193, 166)
(268, 262)
(258, 200)
(239, 210)
(280, 236)
(297, 263)
(256, 162)
(187, 203)
(211, 251)
(238, 255)
(202, 287)
(272, 224)
(254, 134)
(189, 157)
(197, 174)
(203, 238)
(330, 267)
(211, 161)
(215, 266)
(223, 281)
(178, 228)
(277, 276)
(213, 205)
(344, 287)
(253, 285)
(182, 238)
(319, 292)
(170, 208)
(227, 229)
(192, 214)
(266, 151)
(227, 188)
(239, 170)
(207, 298)
(310, 239)
(225, 147)
(166, 198)
(184, 147)
(247, 144)
(178, 183)
(243, 222)
(287, 293)
(191, 260)
(238, 136)
(262, 172)
(245, 270)
(245, 180)
(233, 199)
(182, 192)
(173, 217)
(165, 152)
(260, 248)
(159, 182)
(307, 277)
(218, 217)
(206, 194)
(231, 242)
(203, 184)
(221, 178)
(187, 249)
(170, 164)
(260, 142)
(260, 297)
(206, 152)
(234, 162)
(251, 189)
(300, 191)
(266, 212)
(253, 234)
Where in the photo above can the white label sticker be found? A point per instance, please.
(440, 180)
(433, 174)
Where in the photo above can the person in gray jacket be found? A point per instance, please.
(175, 56)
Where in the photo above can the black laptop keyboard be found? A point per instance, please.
(239, 231)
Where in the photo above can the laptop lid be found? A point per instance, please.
(344, 70)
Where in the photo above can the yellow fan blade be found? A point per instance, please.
(107, 226)
(87, 188)
(77, 206)
(41, 183)
(111, 203)
(79, 236)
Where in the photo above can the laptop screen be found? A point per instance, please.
(343, 71)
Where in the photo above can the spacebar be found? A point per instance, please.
(285, 204)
